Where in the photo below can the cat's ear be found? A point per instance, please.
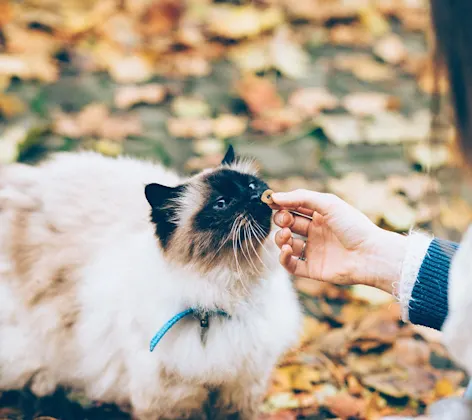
(229, 157)
(158, 195)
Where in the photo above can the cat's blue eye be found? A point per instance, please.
(252, 186)
(220, 204)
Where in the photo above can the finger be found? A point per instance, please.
(284, 237)
(320, 202)
(291, 263)
(297, 224)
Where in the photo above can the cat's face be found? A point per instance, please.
(216, 218)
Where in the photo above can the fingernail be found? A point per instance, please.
(279, 218)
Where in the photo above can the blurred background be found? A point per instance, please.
(332, 95)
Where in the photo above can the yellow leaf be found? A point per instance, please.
(108, 148)
(310, 101)
(369, 103)
(374, 21)
(236, 22)
(190, 107)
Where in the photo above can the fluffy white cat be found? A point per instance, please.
(97, 254)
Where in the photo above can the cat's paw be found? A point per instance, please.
(43, 384)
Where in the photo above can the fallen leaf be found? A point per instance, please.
(391, 49)
(364, 67)
(430, 156)
(259, 94)
(197, 164)
(410, 351)
(229, 125)
(253, 56)
(95, 120)
(190, 107)
(281, 415)
(236, 22)
(310, 101)
(369, 103)
(130, 69)
(28, 67)
(415, 186)
(346, 406)
(341, 129)
(350, 35)
(208, 146)
(276, 121)
(312, 329)
(127, 96)
(11, 105)
(190, 127)
(456, 214)
(399, 214)
(444, 388)
(108, 148)
(287, 56)
(370, 294)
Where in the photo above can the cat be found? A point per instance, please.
(98, 253)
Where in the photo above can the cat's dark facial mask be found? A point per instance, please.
(215, 217)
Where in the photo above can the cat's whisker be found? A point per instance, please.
(247, 239)
(235, 252)
(241, 246)
(262, 238)
(251, 227)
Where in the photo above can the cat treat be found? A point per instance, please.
(267, 197)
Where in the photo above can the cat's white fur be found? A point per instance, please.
(84, 287)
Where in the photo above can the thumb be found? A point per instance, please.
(322, 203)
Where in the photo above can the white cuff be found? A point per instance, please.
(417, 247)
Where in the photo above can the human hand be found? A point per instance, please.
(341, 244)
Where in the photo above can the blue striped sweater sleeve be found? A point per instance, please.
(428, 305)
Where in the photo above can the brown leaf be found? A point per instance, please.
(161, 17)
(410, 351)
(369, 103)
(127, 96)
(276, 121)
(310, 101)
(95, 120)
(11, 105)
(391, 49)
(312, 329)
(259, 94)
(346, 406)
(281, 415)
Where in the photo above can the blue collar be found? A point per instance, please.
(202, 315)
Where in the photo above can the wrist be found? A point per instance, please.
(381, 266)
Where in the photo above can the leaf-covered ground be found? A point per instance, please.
(332, 95)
